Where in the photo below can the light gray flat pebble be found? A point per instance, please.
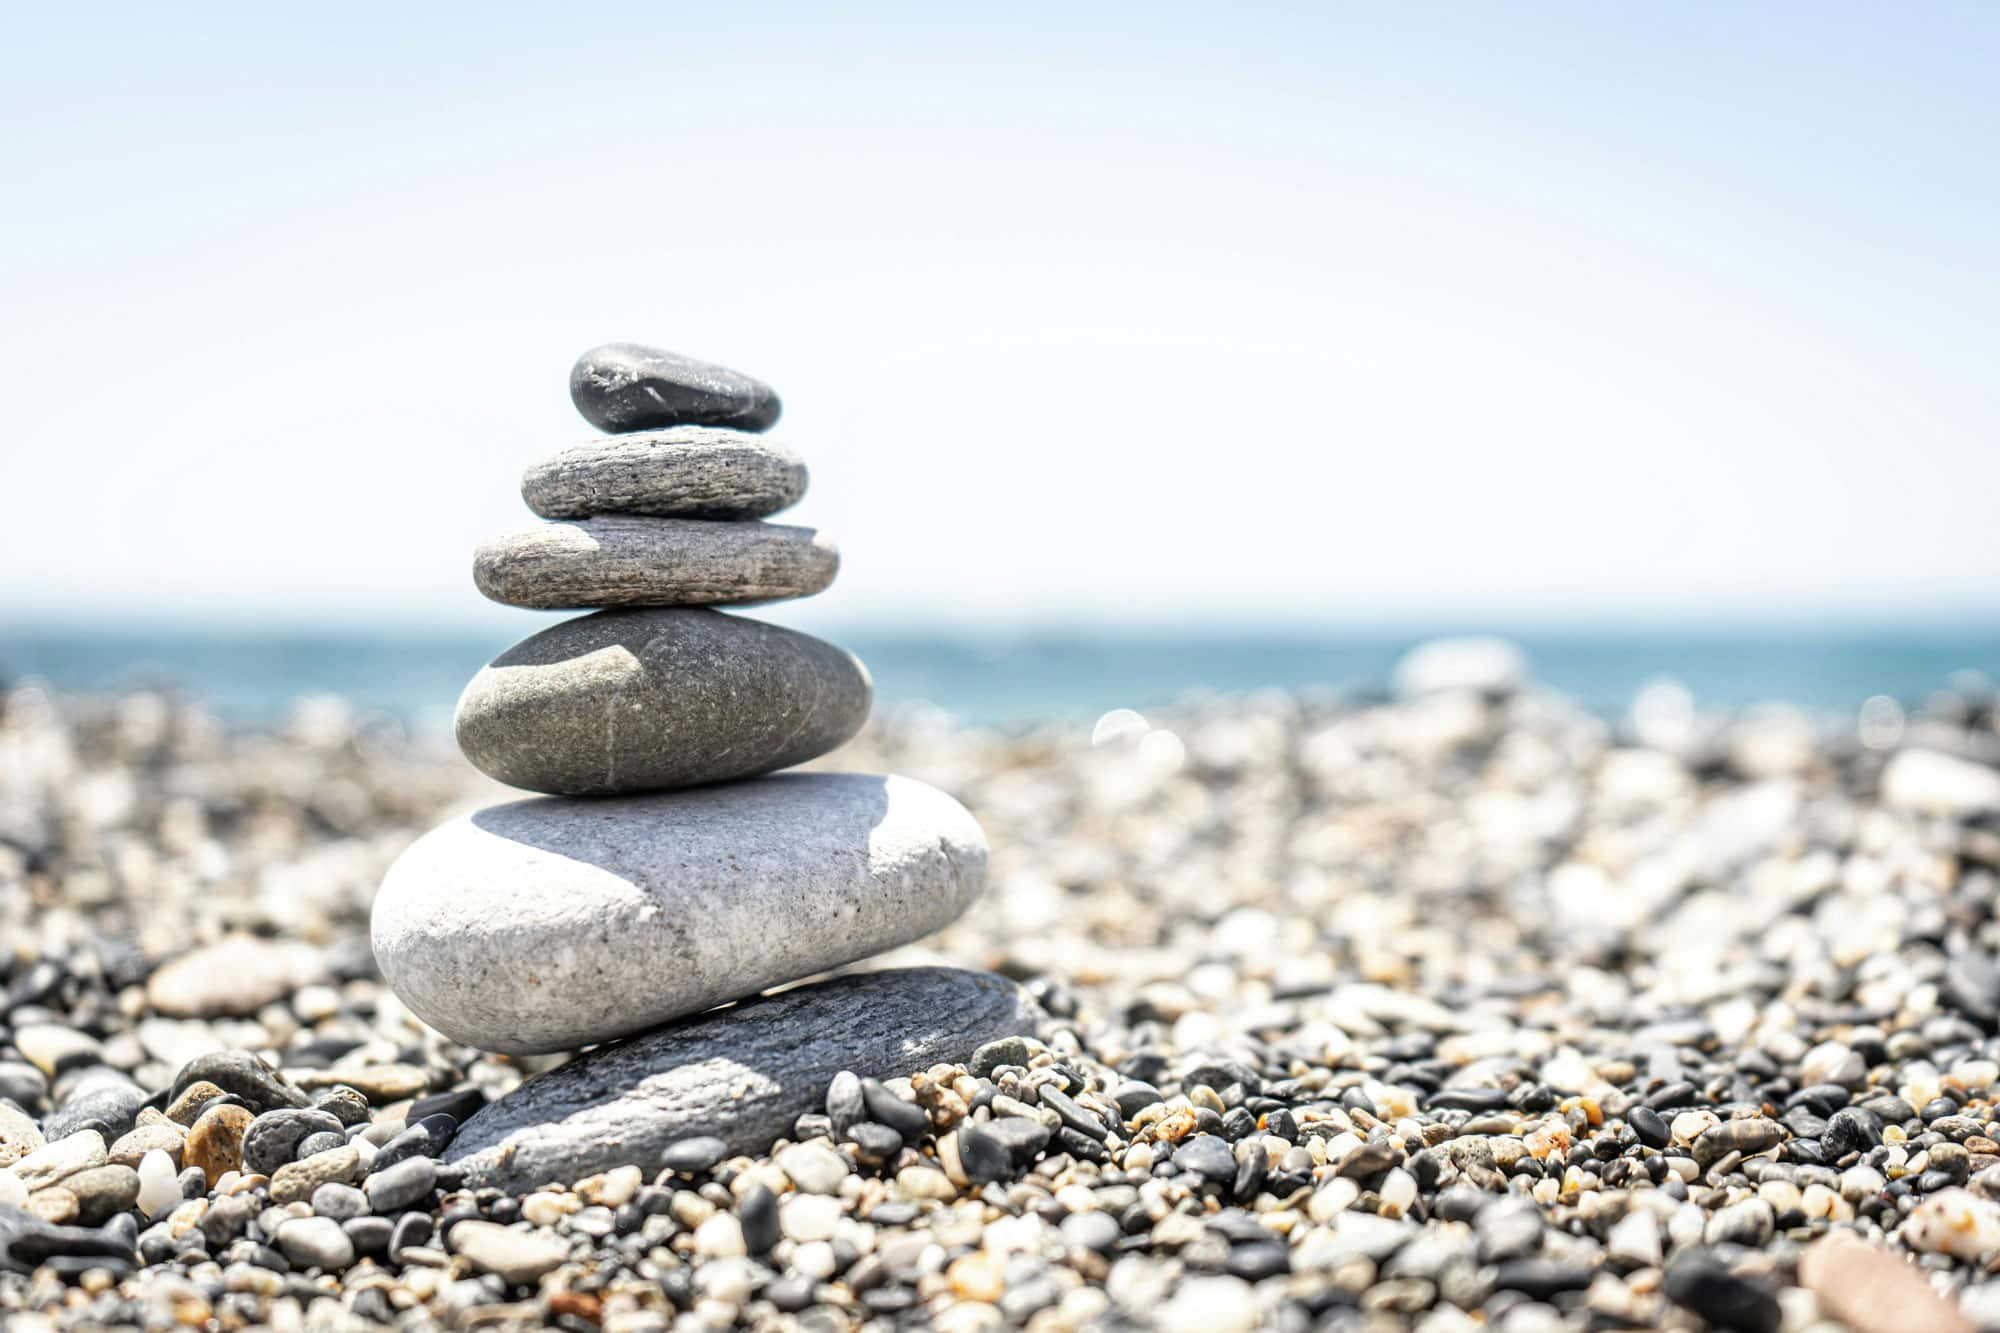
(637, 561)
(401, 1186)
(516, 1257)
(743, 1074)
(686, 472)
(553, 923)
(643, 700)
(315, 1242)
(339, 1202)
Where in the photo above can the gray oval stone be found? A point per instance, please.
(641, 700)
(685, 472)
(744, 1074)
(624, 386)
(556, 922)
(636, 561)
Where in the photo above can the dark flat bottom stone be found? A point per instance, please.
(743, 1074)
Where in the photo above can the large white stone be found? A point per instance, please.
(557, 922)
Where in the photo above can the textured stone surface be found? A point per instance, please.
(743, 1074)
(556, 922)
(625, 387)
(639, 700)
(686, 472)
(636, 561)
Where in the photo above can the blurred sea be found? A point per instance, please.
(1014, 680)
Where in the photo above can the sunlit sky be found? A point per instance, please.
(1198, 314)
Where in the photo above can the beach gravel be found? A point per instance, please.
(1450, 1008)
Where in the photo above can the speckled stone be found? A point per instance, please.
(636, 561)
(625, 387)
(686, 472)
(215, 1142)
(743, 1074)
(641, 700)
(556, 922)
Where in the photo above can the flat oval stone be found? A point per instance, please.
(643, 700)
(557, 922)
(685, 472)
(634, 561)
(743, 1074)
(624, 387)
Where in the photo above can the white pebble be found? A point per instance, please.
(1691, 1125)
(812, 1168)
(1398, 1192)
(720, 1237)
(159, 1183)
(814, 1259)
(807, 1217)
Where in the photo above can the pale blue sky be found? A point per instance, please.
(1312, 313)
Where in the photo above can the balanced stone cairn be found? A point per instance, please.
(670, 868)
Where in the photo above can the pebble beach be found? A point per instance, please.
(1450, 1007)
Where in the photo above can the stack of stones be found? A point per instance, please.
(670, 868)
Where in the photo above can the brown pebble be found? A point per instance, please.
(578, 1305)
(215, 1142)
(186, 1108)
(1873, 1290)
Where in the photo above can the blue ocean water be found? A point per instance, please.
(1015, 680)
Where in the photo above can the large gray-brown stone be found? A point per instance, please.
(687, 472)
(627, 386)
(743, 1074)
(641, 700)
(558, 922)
(640, 561)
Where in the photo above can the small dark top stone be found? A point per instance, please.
(623, 387)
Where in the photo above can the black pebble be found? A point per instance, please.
(1850, 1129)
(875, 1141)
(625, 387)
(459, 1105)
(1649, 1125)
(1207, 1156)
(691, 1156)
(1701, 1284)
(984, 1155)
(758, 1214)
(884, 1106)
